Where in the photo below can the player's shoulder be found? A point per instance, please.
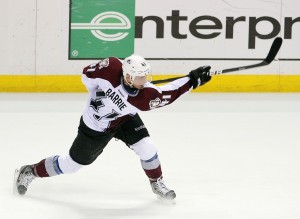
(104, 63)
(115, 59)
(112, 62)
(109, 69)
(149, 92)
(110, 65)
(151, 88)
(147, 98)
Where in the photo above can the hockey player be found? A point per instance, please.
(117, 92)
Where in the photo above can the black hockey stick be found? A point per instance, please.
(270, 57)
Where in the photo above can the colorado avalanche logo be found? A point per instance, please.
(158, 102)
(103, 63)
(154, 103)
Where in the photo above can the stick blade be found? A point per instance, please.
(274, 50)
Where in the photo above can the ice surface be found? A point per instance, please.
(226, 156)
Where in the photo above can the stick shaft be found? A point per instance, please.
(270, 57)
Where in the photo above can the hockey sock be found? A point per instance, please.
(47, 167)
(152, 168)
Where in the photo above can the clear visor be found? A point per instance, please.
(143, 79)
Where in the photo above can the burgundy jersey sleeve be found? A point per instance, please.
(152, 96)
(109, 69)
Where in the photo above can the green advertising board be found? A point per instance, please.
(101, 28)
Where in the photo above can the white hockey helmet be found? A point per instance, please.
(136, 65)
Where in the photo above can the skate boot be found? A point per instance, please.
(161, 190)
(23, 178)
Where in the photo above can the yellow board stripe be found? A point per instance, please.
(219, 83)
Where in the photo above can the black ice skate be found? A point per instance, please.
(161, 190)
(23, 178)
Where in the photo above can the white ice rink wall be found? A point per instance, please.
(39, 50)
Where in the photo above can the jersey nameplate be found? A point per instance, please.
(115, 98)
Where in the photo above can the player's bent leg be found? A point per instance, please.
(87, 146)
(150, 163)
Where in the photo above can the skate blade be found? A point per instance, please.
(166, 201)
(16, 175)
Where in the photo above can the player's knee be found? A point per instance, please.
(144, 148)
(68, 165)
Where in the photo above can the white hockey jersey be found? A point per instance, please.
(110, 104)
